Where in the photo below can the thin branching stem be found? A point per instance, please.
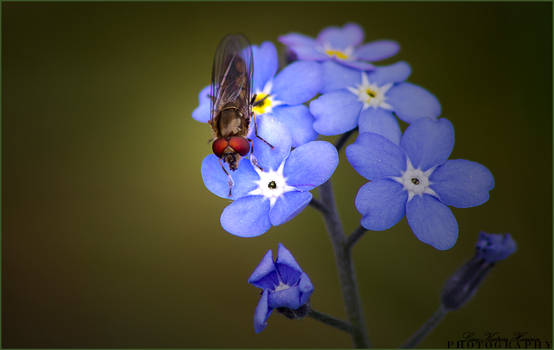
(427, 327)
(345, 268)
(343, 138)
(354, 237)
(330, 320)
(317, 204)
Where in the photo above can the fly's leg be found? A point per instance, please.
(252, 157)
(255, 103)
(230, 179)
(256, 132)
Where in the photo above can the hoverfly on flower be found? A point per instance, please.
(232, 102)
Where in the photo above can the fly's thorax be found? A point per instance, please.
(232, 121)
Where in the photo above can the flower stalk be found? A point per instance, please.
(427, 327)
(345, 268)
(355, 236)
(330, 320)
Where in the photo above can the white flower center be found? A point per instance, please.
(371, 94)
(416, 181)
(272, 184)
(281, 286)
(269, 102)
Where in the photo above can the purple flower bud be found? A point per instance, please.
(285, 286)
(495, 247)
(463, 284)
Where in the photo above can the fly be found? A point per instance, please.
(232, 102)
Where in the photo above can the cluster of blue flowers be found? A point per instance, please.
(332, 87)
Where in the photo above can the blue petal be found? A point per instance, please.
(289, 298)
(382, 204)
(246, 217)
(288, 268)
(306, 288)
(278, 136)
(428, 142)
(265, 275)
(393, 73)
(336, 112)
(350, 34)
(336, 76)
(380, 121)
(310, 165)
(432, 222)
(358, 65)
(411, 102)
(262, 312)
(288, 206)
(377, 50)
(296, 39)
(375, 157)
(217, 181)
(265, 64)
(204, 95)
(202, 112)
(462, 183)
(298, 82)
(299, 121)
(309, 53)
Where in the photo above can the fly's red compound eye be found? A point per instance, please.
(240, 145)
(219, 146)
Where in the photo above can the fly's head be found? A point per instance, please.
(231, 149)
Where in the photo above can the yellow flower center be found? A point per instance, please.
(261, 107)
(370, 93)
(338, 54)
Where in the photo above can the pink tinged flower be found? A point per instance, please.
(343, 45)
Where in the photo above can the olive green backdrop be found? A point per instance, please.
(109, 237)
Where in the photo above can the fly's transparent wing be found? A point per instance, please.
(232, 74)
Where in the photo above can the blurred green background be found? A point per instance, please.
(109, 237)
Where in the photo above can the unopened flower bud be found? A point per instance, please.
(463, 284)
(286, 288)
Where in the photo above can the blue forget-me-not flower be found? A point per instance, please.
(281, 96)
(284, 285)
(277, 188)
(416, 179)
(370, 100)
(462, 285)
(342, 45)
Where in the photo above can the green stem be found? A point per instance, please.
(345, 268)
(427, 327)
(330, 320)
(355, 236)
(343, 138)
(315, 203)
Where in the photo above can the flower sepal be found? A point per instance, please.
(294, 314)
